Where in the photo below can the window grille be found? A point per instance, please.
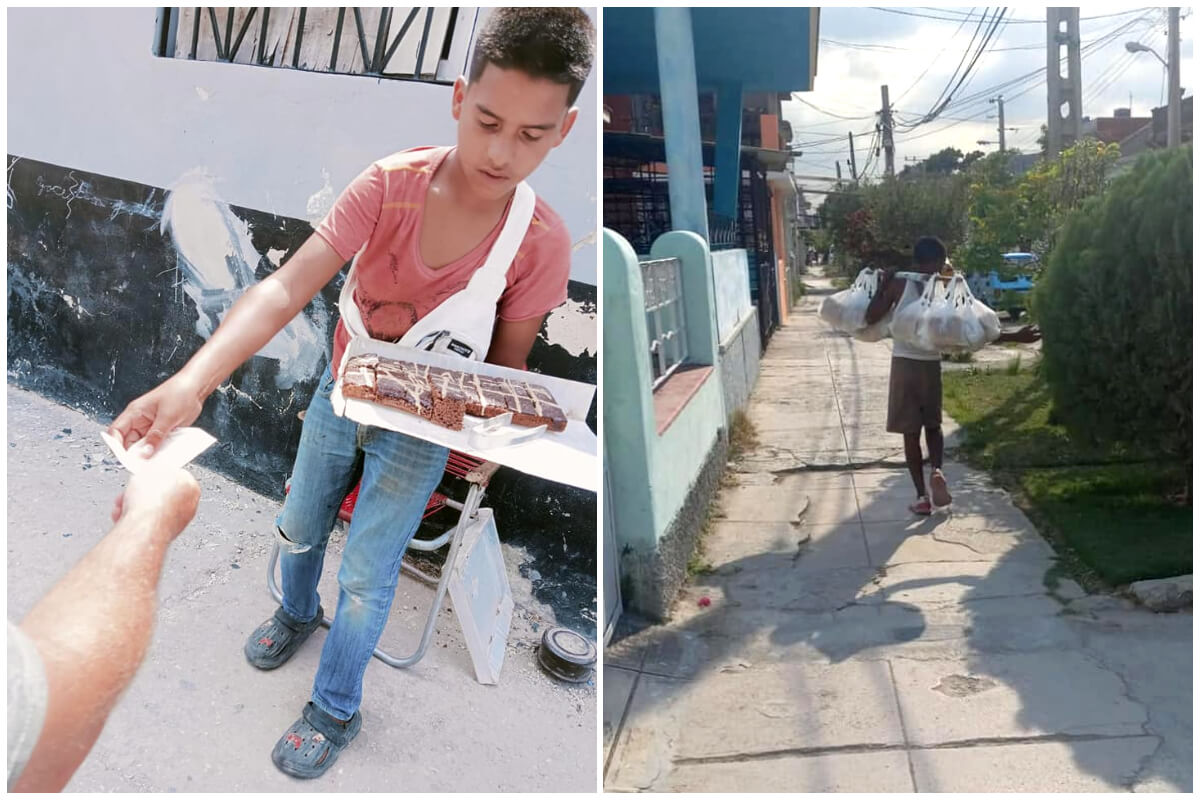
(662, 281)
(399, 43)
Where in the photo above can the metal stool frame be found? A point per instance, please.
(477, 473)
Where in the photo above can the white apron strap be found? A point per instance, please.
(471, 313)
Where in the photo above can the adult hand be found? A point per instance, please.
(165, 501)
(150, 418)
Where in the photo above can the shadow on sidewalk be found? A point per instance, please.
(962, 610)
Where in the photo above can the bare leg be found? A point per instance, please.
(936, 443)
(912, 455)
(941, 493)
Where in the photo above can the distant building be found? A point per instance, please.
(1110, 130)
(1159, 116)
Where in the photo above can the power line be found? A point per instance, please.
(966, 52)
(1018, 21)
(864, 46)
(829, 113)
(935, 58)
(1036, 76)
(948, 93)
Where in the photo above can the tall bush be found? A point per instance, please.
(1115, 306)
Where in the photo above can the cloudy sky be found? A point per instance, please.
(916, 50)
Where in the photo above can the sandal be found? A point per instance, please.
(313, 743)
(278, 639)
(939, 490)
(921, 508)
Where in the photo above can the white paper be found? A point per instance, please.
(175, 451)
(568, 457)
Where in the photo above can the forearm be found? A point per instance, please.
(92, 630)
(253, 320)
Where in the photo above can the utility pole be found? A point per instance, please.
(999, 101)
(1174, 123)
(1062, 30)
(889, 149)
(838, 166)
(853, 163)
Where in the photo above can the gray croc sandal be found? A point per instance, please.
(313, 743)
(278, 639)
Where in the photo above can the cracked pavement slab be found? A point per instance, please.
(887, 652)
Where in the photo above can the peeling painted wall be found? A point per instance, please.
(130, 236)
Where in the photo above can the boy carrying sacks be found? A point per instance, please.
(419, 225)
(915, 384)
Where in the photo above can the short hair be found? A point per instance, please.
(552, 43)
(929, 250)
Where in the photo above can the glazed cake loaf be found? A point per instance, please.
(445, 396)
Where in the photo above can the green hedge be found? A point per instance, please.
(1115, 307)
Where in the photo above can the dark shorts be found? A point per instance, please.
(914, 396)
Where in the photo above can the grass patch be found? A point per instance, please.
(743, 436)
(1008, 417)
(962, 357)
(698, 564)
(841, 282)
(1110, 512)
(1119, 519)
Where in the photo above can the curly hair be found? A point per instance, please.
(552, 43)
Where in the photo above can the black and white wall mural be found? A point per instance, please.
(129, 241)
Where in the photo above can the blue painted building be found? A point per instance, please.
(693, 135)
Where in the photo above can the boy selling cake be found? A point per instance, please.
(452, 253)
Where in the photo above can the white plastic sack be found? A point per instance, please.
(846, 311)
(942, 329)
(909, 322)
(946, 319)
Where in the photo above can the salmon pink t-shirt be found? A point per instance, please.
(380, 214)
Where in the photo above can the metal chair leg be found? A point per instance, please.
(468, 511)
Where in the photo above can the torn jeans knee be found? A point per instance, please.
(294, 548)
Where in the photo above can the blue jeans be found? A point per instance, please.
(399, 475)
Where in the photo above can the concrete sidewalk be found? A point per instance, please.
(848, 646)
(198, 718)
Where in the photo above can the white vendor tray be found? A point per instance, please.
(568, 457)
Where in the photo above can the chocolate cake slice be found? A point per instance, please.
(485, 395)
(530, 405)
(546, 409)
(402, 385)
(358, 378)
(449, 399)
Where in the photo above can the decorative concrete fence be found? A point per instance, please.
(739, 342)
(664, 446)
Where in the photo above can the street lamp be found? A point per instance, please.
(1171, 63)
(1138, 47)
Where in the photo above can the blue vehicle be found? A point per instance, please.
(1007, 288)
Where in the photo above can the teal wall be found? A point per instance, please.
(627, 424)
(651, 473)
(680, 451)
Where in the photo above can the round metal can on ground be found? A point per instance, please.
(566, 655)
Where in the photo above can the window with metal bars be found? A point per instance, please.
(662, 282)
(398, 43)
